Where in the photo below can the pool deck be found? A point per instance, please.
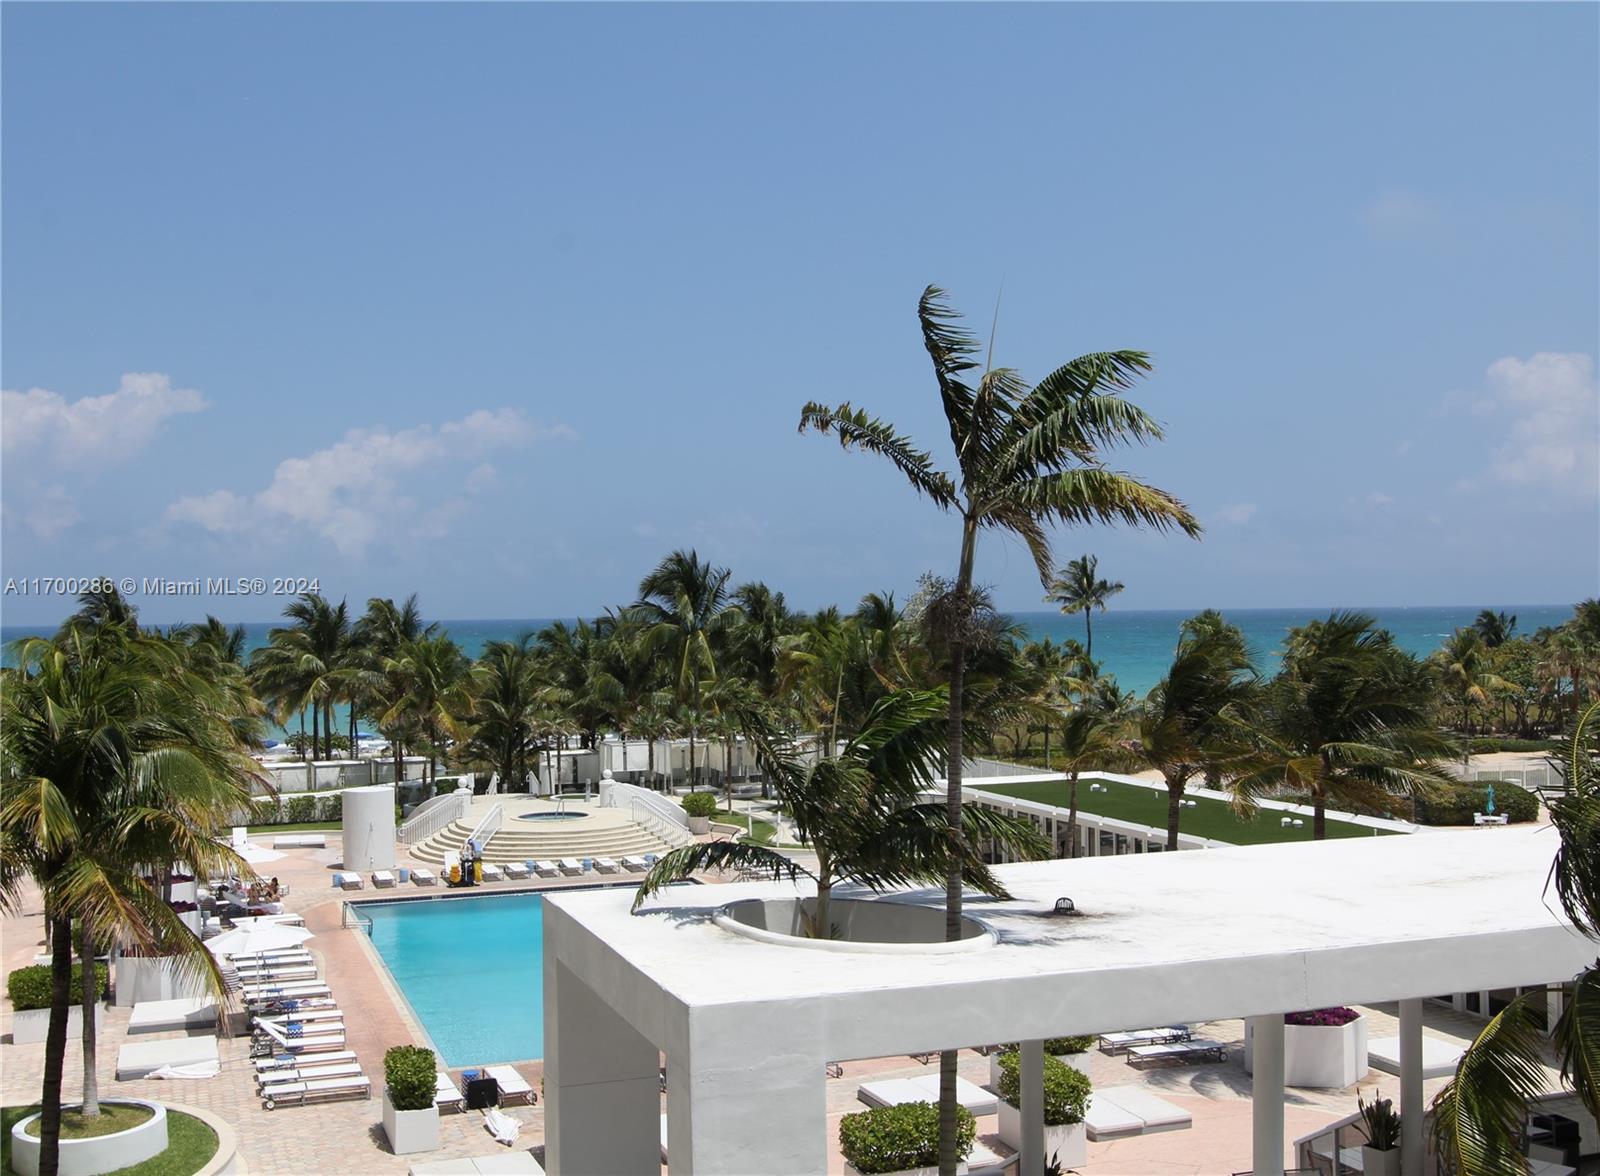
(347, 1137)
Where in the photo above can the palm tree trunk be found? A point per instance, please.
(55, 1046)
(1319, 816)
(90, 994)
(691, 757)
(1174, 812)
(1088, 634)
(1072, 815)
(1047, 746)
(315, 745)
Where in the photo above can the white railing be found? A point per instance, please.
(487, 828)
(668, 831)
(616, 794)
(433, 815)
(351, 916)
(980, 768)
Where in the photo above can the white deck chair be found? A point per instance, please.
(635, 865)
(301, 1017)
(306, 1043)
(321, 1090)
(513, 1088)
(292, 1061)
(492, 873)
(346, 880)
(446, 1094)
(546, 869)
(423, 877)
(516, 869)
(382, 879)
(267, 993)
(606, 865)
(571, 866)
(267, 1079)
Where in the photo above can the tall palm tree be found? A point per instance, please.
(1478, 1118)
(858, 811)
(1184, 726)
(624, 676)
(116, 759)
(504, 705)
(1092, 736)
(1079, 588)
(1496, 628)
(1345, 719)
(1025, 459)
(432, 674)
(377, 639)
(1465, 669)
(765, 622)
(684, 602)
(306, 664)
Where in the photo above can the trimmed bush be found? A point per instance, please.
(300, 810)
(892, 1139)
(1076, 1044)
(1454, 804)
(1486, 745)
(333, 807)
(1066, 1091)
(701, 804)
(29, 988)
(409, 1071)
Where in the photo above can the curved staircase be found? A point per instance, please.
(606, 833)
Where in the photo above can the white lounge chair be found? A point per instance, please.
(545, 869)
(294, 1061)
(321, 1090)
(492, 873)
(513, 1087)
(891, 1092)
(345, 880)
(307, 1017)
(447, 1095)
(1198, 1049)
(287, 972)
(635, 865)
(421, 876)
(294, 957)
(1153, 1114)
(268, 1079)
(606, 865)
(570, 866)
(382, 879)
(516, 870)
(1105, 1118)
(259, 994)
(1114, 1043)
(306, 1043)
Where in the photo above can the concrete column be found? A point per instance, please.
(739, 1102)
(602, 1086)
(1266, 1096)
(1031, 1073)
(1412, 1108)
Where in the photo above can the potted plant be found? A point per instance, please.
(29, 990)
(700, 808)
(1380, 1155)
(903, 1140)
(1073, 1050)
(1066, 1097)
(1321, 1047)
(410, 1115)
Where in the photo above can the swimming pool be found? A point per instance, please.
(472, 970)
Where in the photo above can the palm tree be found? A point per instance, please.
(431, 672)
(858, 812)
(1184, 726)
(377, 639)
(684, 601)
(504, 707)
(1346, 719)
(1091, 737)
(117, 759)
(625, 676)
(765, 624)
(1463, 662)
(1025, 458)
(1478, 1118)
(1078, 588)
(307, 664)
(1496, 628)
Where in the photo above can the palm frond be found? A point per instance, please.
(1477, 1118)
(1577, 1038)
(855, 429)
(684, 862)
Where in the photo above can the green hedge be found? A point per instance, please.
(409, 1071)
(1066, 1091)
(1487, 745)
(1454, 804)
(29, 988)
(1055, 1046)
(891, 1139)
(701, 804)
(302, 808)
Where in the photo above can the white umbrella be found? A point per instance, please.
(257, 938)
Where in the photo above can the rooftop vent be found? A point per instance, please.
(1064, 906)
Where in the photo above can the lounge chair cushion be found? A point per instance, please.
(160, 1016)
(141, 1058)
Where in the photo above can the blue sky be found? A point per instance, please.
(499, 303)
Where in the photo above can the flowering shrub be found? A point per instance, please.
(1331, 1018)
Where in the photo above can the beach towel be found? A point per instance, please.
(503, 1127)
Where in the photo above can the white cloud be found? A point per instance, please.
(358, 488)
(46, 512)
(1238, 513)
(1378, 498)
(482, 478)
(43, 426)
(1397, 212)
(1551, 406)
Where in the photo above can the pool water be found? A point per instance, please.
(472, 970)
(550, 816)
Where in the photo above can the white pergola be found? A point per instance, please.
(748, 1026)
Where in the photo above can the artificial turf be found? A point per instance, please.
(1211, 819)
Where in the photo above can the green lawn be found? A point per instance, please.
(302, 827)
(763, 832)
(190, 1145)
(1211, 819)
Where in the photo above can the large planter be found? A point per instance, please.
(699, 825)
(1380, 1163)
(31, 1025)
(105, 1153)
(961, 1170)
(1078, 1061)
(1327, 1056)
(858, 925)
(1066, 1141)
(410, 1131)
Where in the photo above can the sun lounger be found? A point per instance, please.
(545, 869)
(162, 1016)
(635, 865)
(268, 1079)
(606, 865)
(288, 958)
(289, 1041)
(513, 1088)
(345, 880)
(301, 1016)
(320, 1090)
(570, 866)
(447, 1095)
(258, 994)
(1114, 1043)
(1199, 1049)
(382, 879)
(1132, 1110)
(294, 1061)
(516, 870)
(422, 877)
(492, 873)
(1439, 1058)
(890, 1092)
(140, 1059)
(288, 919)
(285, 974)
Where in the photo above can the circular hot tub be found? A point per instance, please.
(861, 925)
(551, 816)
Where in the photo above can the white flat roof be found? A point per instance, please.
(1159, 938)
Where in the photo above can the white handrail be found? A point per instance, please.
(487, 828)
(614, 792)
(432, 815)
